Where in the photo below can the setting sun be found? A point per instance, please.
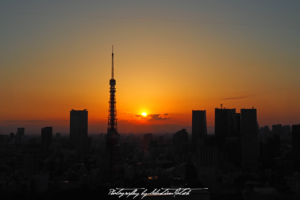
(144, 114)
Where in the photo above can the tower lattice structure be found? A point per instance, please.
(113, 163)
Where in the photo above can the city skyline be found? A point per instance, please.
(172, 59)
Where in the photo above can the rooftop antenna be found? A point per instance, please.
(112, 63)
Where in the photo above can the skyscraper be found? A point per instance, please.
(238, 125)
(277, 129)
(20, 134)
(180, 141)
(296, 146)
(267, 132)
(46, 134)
(296, 139)
(287, 134)
(249, 138)
(79, 129)
(277, 134)
(113, 163)
(199, 127)
(225, 125)
(207, 165)
(286, 129)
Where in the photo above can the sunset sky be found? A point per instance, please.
(171, 57)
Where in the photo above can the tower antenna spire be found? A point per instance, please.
(112, 63)
(113, 163)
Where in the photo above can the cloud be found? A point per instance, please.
(154, 117)
(126, 112)
(231, 98)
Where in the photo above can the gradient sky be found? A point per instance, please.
(171, 57)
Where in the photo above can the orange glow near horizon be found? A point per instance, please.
(163, 69)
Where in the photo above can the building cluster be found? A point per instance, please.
(239, 159)
(32, 165)
(241, 153)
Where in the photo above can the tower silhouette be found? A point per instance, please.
(113, 164)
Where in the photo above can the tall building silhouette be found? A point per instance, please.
(286, 131)
(296, 139)
(207, 165)
(277, 129)
(238, 125)
(20, 134)
(11, 135)
(227, 135)
(46, 134)
(296, 146)
(79, 129)
(113, 163)
(267, 132)
(277, 134)
(249, 138)
(199, 127)
(180, 141)
(225, 125)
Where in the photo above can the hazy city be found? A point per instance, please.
(156, 100)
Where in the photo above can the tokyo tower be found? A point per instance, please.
(113, 163)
